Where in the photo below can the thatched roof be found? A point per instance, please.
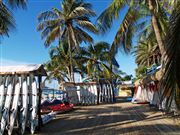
(36, 69)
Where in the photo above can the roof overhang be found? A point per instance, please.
(35, 69)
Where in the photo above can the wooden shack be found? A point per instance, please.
(37, 70)
(88, 93)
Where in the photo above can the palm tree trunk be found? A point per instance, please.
(71, 66)
(156, 29)
(69, 73)
(72, 70)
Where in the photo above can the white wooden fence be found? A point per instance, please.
(90, 93)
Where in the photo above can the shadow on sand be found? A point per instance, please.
(119, 118)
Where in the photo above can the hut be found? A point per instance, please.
(147, 89)
(87, 93)
(36, 70)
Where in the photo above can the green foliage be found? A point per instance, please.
(59, 65)
(144, 51)
(97, 59)
(93, 61)
(136, 22)
(7, 21)
(126, 78)
(140, 71)
(171, 79)
(69, 22)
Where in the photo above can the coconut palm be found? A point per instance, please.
(56, 71)
(171, 80)
(7, 21)
(59, 64)
(98, 60)
(15, 3)
(92, 61)
(69, 22)
(143, 53)
(140, 72)
(132, 21)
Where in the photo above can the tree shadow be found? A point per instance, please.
(110, 119)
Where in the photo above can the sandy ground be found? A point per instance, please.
(112, 119)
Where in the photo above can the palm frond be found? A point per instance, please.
(89, 67)
(47, 15)
(123, 38)
(52, 35)
(87, 25)
(7, 21)
(171, 80)
(81, 11)
(107, 70)
(16, 3)
(105, 20)
(83, 36)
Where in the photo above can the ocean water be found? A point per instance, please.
(50, 94)
(52, 91)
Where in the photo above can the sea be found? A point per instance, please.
(50, 94)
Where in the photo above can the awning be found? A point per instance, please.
(35, 69)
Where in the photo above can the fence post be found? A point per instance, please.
(39, 104)
(98, 93)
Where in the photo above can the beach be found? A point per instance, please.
(112, 119)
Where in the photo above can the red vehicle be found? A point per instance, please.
(56, 105)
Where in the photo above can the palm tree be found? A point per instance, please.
(7, 21)
(140, 72)
(97, 59)
(171, 80)
(70, 23)
(143, 53)
(93, 61)
(132, 21)
(59, 64)
(55, 71)
(15, 3)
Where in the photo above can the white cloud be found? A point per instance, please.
(7, 62)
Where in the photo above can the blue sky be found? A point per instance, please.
(26, 46)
